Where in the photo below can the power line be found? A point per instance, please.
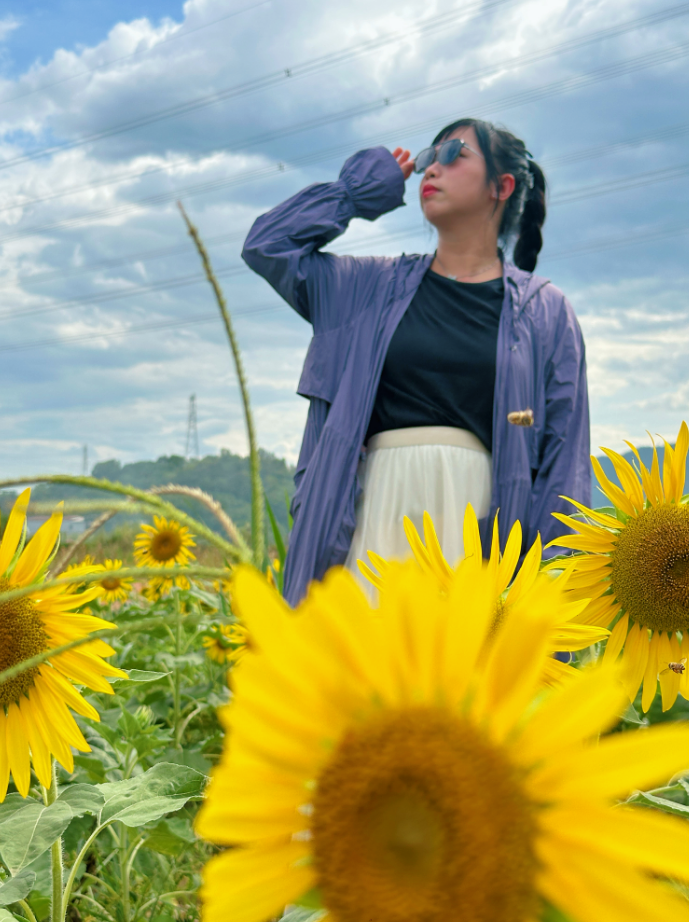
(306, 69)
(139, 328)
(632, 65)
(572, 157)
(134, 54)
(165, 285)
(565, 198)
(483, 72)
(594, 247)
(616, 185)
(50, 275)
(587, 153)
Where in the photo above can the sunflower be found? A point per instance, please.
(378, 761)
(116, 588)
(164, 544)
(635, 568)
(35, 720)
(226, 644)
(567, 636)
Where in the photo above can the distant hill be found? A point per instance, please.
(599, 498)
(225, 476)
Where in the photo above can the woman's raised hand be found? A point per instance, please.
(403, 158)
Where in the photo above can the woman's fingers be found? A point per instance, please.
(402, 156)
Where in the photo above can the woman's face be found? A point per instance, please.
(459, 191)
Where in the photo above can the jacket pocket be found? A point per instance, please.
(325, 363)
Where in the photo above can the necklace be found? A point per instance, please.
(473, 274)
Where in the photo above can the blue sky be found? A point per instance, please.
(105, 329)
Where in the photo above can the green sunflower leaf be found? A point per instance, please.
(660, 803)
(161, 790)
(17, 888)
(30, 831)
(6, 916)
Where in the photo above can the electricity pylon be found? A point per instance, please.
(192, 430)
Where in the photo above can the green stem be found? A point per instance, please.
(124, 873)
(257, 519)
(56, 867)
(28, 911)
(75, 867)
(150, 500)
(177, 689)
(90, 899)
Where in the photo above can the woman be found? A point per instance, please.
(433, 380)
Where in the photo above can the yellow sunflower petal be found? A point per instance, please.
(40, 754)
(510, 558)
(515, 664)
(38, 550)
(627, 477)
(254, 884)
(616, 640)
(433, 547)
(607, 521)
(618, 497)
(14, 530)
(655, 476)
(644, 838)
(621, 763)
(679, 463)
(369, 574)
(4, 757)
(18, 749)
(651, 673)
(646, 479)
(528, 571)
(668, 652)
(472, 538)
(571, 714)
(635, 659)
(600, 611)
(590, 890)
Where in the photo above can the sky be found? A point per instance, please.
(111, 112)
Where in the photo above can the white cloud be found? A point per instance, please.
(126, 393)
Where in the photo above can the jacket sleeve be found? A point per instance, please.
(283, 244)
(565, 465)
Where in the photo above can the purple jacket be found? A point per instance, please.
(354, 305)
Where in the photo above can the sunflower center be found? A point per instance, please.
(418, 819)
(111, 583)
(165, 544)
(650, 568)
(22, 636)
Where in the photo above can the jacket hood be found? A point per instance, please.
(526, 283)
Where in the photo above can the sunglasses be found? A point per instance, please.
(445, 153)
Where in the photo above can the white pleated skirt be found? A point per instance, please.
(408, 471)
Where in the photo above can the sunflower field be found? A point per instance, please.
(483, 740)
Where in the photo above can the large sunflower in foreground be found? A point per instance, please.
(377, 760)
(35, 720)
(635, 567)
(567, 637)
(166, 543)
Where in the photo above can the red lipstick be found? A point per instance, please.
(428, 189)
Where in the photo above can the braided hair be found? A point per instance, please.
(524, 213)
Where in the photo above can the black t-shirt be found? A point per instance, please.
(440, 366)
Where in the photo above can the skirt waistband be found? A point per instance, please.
(426, 435)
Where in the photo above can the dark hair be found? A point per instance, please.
(524, 212)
